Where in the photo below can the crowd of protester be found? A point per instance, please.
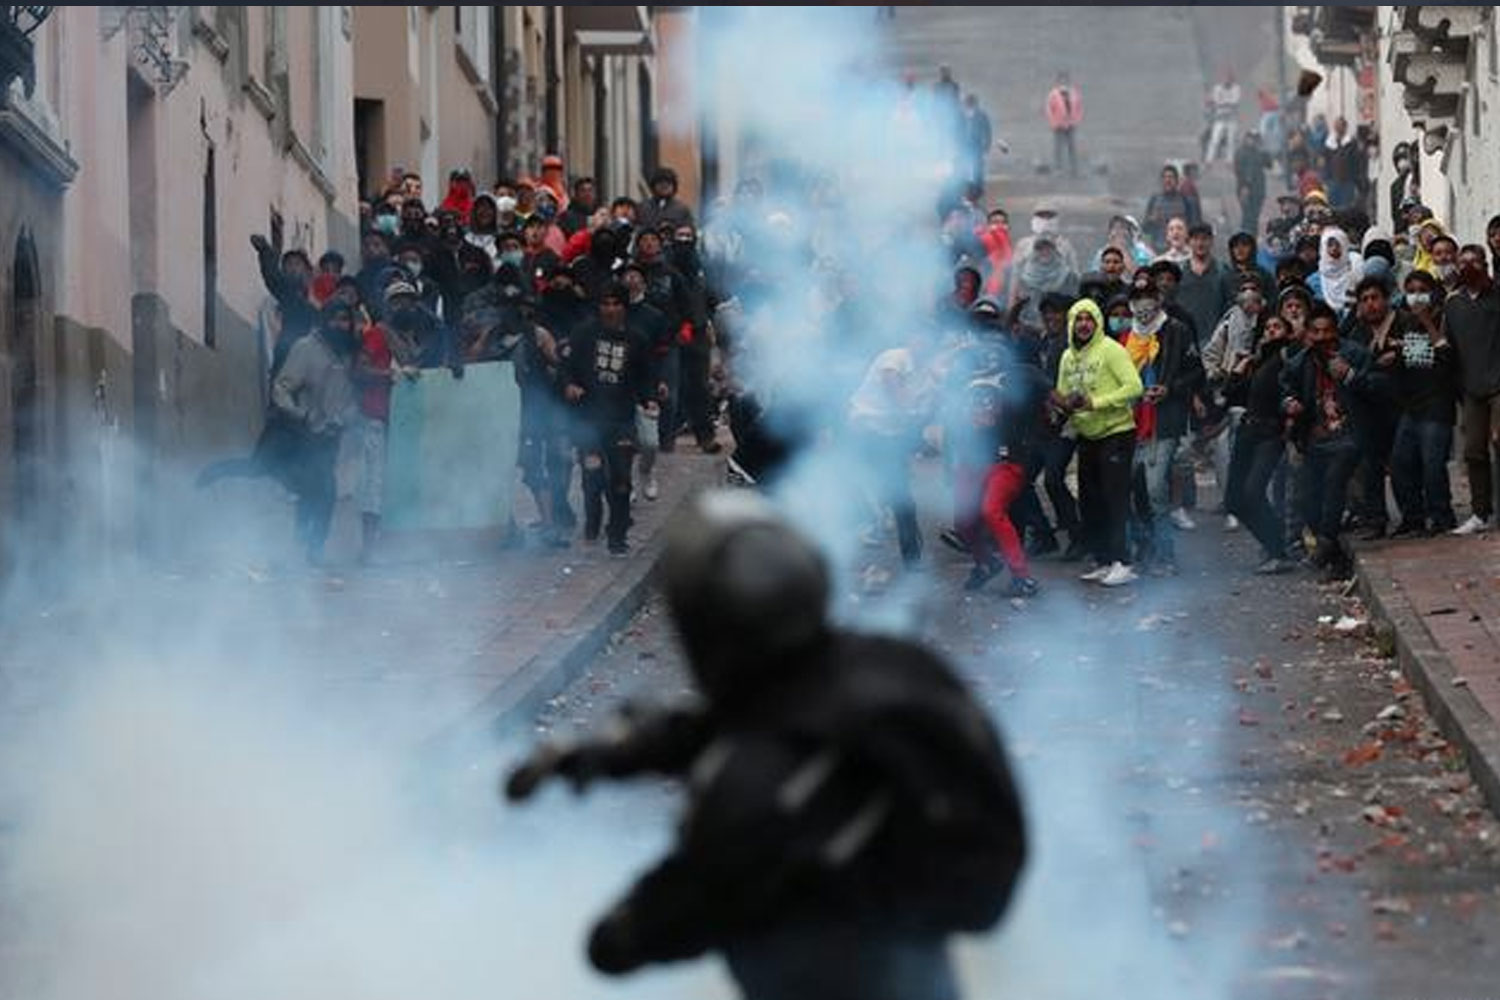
(1320, 361)
(602, 308)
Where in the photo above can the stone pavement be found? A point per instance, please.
(461, 643)
(1441, 597)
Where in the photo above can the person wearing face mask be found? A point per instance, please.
(1321, 388)
(553, 238)
(1164, 355)
(608, 378)
(696, 409)
(312, 391)
(1045, 225)
(1097, 386)
(416, 337)
(1403, 186)
(1042, 270)
(1443, 251)
(995, 240)
(1473, 324)
(1426, 392)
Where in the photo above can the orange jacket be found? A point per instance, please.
(1059, 112)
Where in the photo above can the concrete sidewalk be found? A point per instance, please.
(461, 645)
(1441, 597)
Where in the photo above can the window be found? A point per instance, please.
(472, 31)
(210, 251)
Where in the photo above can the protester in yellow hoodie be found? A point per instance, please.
(1097, 386)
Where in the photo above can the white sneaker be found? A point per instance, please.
(1183, 522)
(1095, 575)
(1118, 576)
(1231, 523)
(1475, 525)
(653, 491)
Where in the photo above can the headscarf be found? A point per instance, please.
(1041, 276)
(1337, 276)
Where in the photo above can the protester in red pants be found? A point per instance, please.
(1005, 408)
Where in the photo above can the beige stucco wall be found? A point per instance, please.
(676, 99)
(253, 175)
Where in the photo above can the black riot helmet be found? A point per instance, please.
(749, 593)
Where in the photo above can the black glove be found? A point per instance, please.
(611, 950)
(575, 762)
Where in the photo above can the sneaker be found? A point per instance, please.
(653, 491)
(710, 447)
(1231, 523)
(1023, 587)
(979, 576)
(1409, 529)
(619, 550)
(1373, 532)
(1274, 567)
(1475, 525)
(1118, 575)
(1096, 574)
(1183, 522)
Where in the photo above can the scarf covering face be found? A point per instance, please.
(1040, 276)
(1337, 276)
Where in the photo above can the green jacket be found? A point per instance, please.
(1102, 371)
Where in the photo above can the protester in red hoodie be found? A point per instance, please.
(460, 198)
(995, 238)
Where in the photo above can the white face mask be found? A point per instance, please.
(1043, 224)
(504, 205)
(1447, 272)
(413, 267)
(1419, 300)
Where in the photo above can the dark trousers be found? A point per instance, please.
(1481, 423)
(887, 459)
(607, 458)
(1377, 438)
(1104, 492)
(697, 408)
(1057, 454)
(669, 370)
(1063, 144)
(1252, 465)
(313, 482)
(1419, 472)
(1327, 469)
(1250, 214)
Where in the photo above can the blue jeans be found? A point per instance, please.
(1419, 472)
(1153, 462)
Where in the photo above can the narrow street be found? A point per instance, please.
(1199, 760)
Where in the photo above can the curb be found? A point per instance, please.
(1460, 717)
